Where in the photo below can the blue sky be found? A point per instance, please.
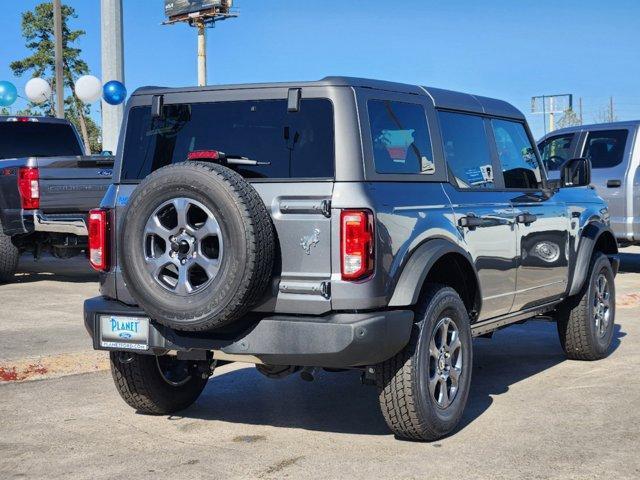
(509, 49)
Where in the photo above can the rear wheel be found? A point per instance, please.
(157, 385)
(423, 390)
(586, 321)
(9, 256)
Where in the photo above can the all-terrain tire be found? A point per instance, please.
(143, 387)
(407, 404)
(247, 234)
(9, 256)
(580, 336)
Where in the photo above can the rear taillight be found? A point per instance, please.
(29, 187)
(356, 244)
(98, 232)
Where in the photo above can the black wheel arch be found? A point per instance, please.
(438, 261)
(596, 236)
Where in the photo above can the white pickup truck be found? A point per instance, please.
(47, 187)
(614, 152)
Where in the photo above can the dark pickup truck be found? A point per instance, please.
(47, 187)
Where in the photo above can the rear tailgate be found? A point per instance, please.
(73, 184)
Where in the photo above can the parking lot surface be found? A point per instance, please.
(531, 413)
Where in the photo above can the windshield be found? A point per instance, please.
(31, 139)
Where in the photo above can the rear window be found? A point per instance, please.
(37, 139)
(401, 142)
(294, 144)
(605, 148)
(466, 148)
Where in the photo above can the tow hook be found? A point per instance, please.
(368, 376)
(125, 357)
(308, 374)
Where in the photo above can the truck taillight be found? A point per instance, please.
(356, 244)
(29, 187)
(98, 234)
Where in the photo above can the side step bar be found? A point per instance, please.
(486, 326)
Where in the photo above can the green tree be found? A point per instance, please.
(37, 30)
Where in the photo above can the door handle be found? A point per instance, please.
(526, 218)
(614, 183)
(471, 222)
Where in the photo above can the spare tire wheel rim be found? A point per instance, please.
(183, 246)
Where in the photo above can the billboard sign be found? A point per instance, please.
(175, 8)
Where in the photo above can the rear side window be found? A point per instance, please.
(556, 150)
(520, 167)
(605, 148)
(37, 139)
(400, 135)
(291, 144)
(466, 149)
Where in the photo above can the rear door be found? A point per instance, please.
(542, 226)
(294, 175)
(610, 151)
(482, 209)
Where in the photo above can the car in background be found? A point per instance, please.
(614, 152)
(47, 187)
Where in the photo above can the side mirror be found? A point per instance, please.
(575, 173)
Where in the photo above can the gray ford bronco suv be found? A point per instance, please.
(338, 224)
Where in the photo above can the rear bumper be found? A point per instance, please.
(21, 222)
(75, 224)
(338, 340)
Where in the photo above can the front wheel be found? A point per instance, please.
(586, 321)
(157, 385)
(423, 389)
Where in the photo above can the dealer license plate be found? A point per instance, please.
(131, 333)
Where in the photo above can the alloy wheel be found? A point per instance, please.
(445, 362)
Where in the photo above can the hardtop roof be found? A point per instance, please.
(445, 99)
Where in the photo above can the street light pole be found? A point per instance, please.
(112, 69)
(59, 62)
(202, 54)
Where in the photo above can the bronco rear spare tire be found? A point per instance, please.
(196, 246)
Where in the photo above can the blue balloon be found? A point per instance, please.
(8, 93)
(114, 92)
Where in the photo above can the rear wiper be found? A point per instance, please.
(223, 158)
(238, 160)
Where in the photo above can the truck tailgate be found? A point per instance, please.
(73, 184)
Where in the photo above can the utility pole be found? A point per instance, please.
(580, 108)
(202, 52)
(112, 69)
(552, 116)
(611, 115)
(59, 62)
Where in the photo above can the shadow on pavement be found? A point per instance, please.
(48, 268)
(336, 402)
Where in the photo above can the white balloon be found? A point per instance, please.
(37, 90)
(88, 88)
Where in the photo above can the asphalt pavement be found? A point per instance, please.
(531, 412)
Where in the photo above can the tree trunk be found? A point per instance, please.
(83, 127)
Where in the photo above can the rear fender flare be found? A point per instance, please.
(417, 268)
(591, 233)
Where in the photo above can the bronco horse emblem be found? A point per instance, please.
(309, 241)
